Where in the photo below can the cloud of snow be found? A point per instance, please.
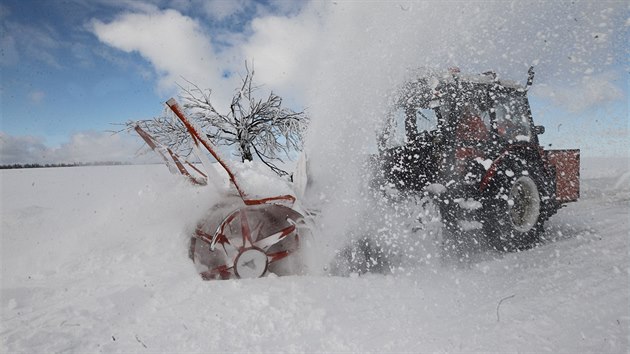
(361, 52)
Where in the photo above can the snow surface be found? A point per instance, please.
(94, 259)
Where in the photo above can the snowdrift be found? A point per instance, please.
(94, 259)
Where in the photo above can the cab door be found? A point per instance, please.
(408, 158)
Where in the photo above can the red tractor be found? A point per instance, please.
(470, 141)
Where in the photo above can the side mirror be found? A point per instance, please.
(539, 130)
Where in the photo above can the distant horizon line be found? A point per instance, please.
(71, 164)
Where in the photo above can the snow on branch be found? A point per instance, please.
(258, 126)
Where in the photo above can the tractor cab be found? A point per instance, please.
(475, 137)
(447, 128)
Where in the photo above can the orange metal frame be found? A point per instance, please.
(155, 146)
(199, 138)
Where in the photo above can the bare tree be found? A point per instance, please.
(255, 126)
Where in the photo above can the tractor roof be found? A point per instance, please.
(424, 88)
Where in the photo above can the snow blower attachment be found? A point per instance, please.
(242, 237)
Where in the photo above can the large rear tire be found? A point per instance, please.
(513, 209)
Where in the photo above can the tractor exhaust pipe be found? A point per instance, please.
(530, 78)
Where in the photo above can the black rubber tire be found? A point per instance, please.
(513, 211)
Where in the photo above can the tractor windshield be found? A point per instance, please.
(513, 120)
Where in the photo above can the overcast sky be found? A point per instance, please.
(69, 69)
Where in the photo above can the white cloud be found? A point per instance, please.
(285, 7)
(178, 46)
(9, 50)
(282, 48)
(215, 11)
(82, 147)
(30, 41)
(174, 44)
(591, 91)
(126, 5)
(21, 149)
(221, 9)
(36, 96)
(97, 146)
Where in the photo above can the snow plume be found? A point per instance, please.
(343, 59)
(366, 50)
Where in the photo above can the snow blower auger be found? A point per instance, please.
(242, 237)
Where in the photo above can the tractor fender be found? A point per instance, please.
(490, 172)
(515, 151)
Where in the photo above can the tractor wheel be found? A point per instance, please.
(513, 210)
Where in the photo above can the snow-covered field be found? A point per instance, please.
(94, 259)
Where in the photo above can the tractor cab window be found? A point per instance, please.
(395, 130)
(473, 125)
(409, 124)
(426, 120)
(512, 119)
